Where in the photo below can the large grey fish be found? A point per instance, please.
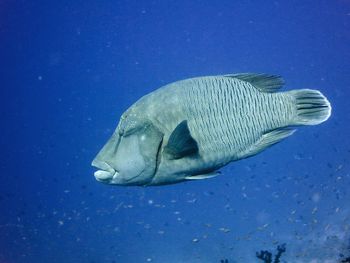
(189, 129)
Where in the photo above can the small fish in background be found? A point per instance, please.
(189, 129)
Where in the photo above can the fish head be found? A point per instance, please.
(130, 156)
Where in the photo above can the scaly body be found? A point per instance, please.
(201, 124)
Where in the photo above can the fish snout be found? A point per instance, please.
(105, 176)
(105, 172)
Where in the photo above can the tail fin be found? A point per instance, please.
(312, 107)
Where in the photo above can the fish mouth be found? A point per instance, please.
(105, 172)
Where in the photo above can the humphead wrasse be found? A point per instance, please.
(189, 129)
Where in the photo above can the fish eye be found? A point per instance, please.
(130, 131)
(140, 129)
(128, 128)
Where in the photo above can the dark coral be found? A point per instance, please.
(280, 250)
(266, 256)
(347, 259)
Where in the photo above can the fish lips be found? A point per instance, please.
(105, 172)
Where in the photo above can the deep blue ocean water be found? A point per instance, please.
(69, 69)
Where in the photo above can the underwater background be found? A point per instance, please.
(69, 69)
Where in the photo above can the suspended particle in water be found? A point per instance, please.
(195, 240)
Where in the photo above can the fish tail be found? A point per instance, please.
(312, 107)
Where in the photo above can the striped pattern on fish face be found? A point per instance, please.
(227, 115)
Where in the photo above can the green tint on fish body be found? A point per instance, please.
(189, 129)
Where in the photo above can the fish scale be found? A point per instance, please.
(227, 99)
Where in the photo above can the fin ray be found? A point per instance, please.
(263, 82)
(312, 107)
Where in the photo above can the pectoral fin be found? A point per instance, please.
(180, 142)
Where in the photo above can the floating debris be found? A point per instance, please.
(261, 228)
(225, 230)
(118, 206)
(339, 167)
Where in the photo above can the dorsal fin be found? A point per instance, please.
(180, 142)
(263, 82)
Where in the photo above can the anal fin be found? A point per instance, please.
(268, 139)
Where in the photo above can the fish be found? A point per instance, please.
(189, 129)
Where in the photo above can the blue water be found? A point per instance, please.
(69, 69)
